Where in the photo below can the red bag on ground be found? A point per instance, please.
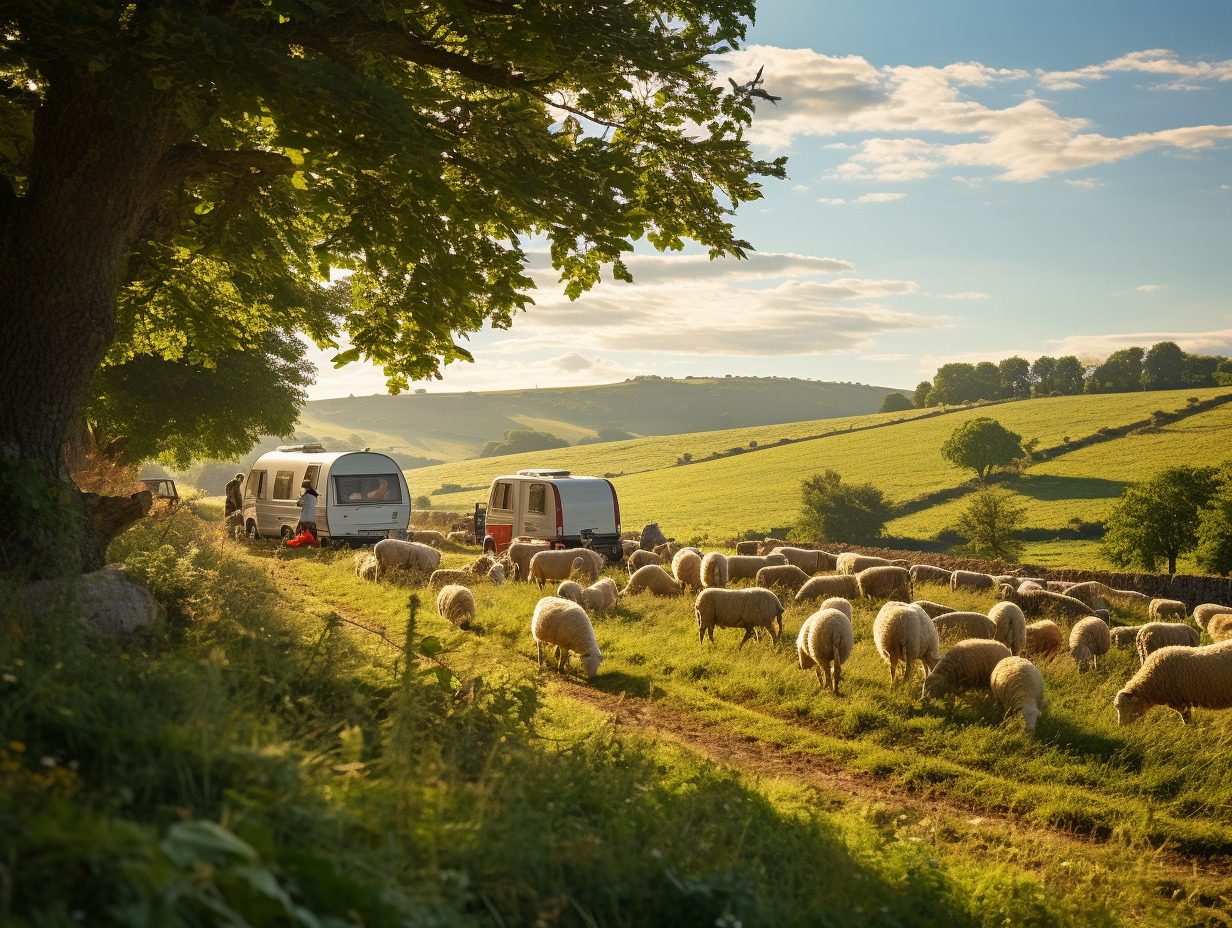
(303, 538)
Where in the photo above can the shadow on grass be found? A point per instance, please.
(1049, 488)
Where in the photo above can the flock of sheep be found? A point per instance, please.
(994, 653)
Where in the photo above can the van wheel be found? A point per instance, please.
(251, 531)
(489, 547)
(287, 533)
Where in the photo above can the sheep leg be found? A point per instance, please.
(539, 653)
(564, 657)
(836, 675)
(820, 681)
(748, 633)
(893, 667)
(1187, 715)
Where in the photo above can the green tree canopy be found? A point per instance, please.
(1163, 367)
(836, 511)
(1157, 519)
(1015, 378)
(1043, 375)
(517, 441)
(982, 444)
(953, 384)
(1214, 552)
(1121, 372)
(895, 402)
(989, 522)
(919, 399)
(1070, 376)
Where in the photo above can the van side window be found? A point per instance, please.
(361, 489)
(311, 474)
(282, 484)
(256, 485)
(535, 501)
(502, 496)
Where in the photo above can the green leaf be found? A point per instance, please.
(298, 181)
(189, 843)
(346, 357)
(202, 208)
(445, 678)
(430, 647)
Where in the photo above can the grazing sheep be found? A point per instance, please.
(714, 571)
(1181, 679)
(967, 665)
(519, 554)
(1057, 586)
(808, 560)
(887, 582)
(641, 559)
(427, 536)
(366, 566)
(747, 548)
(1123, 638)
(562, 564)
(456, 605)
(851, 563)
(1011, 626)
(651, 537)
(837, 602)
(746, 567)
(750, 609)
(1160, 609)
(601, 594)
(1155, 635)
(565, 625)
(651, 578)
(999, 579)
(904, 632)
(843, 585)
(1043, 639)
(1219, 627)
(787, 576)
(1018, 685)
(769, 544)
(666, 551)
(967, 624)
(687, 568)
(927, 573)
(934, 609)
(445, 577)
(1027, 585)
(1093, 593)
(1204, 613)
(1045, 602)
(1088, 640)
(393, 552)
(824, 643)
(627, 547)
(456, 538)
(970, 580)
(1129, 598)
(571, 590)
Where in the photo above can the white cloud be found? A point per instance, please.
(1084, 183)
(879, 197)
(1218, 342)
(832, 201)
(1159, 62)
(801, 188)
(826, 96)
(961, 295)
(1147, 288)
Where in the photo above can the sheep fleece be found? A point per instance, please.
(967, 665)
(456, 605)
(714, 571)
(825, 642)
(1155, 635)
(843, 585)
(564, 624)
(1018, 686)
(904, 632)
(1179, 678)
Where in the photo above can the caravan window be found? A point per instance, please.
(535, 501)
(367, 488)
(282, 484)
(502, 496)
(256, 485)
(312, 473)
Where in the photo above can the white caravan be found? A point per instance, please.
(362, 496)
(552, 506)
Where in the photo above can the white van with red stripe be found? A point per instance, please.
(556, 507)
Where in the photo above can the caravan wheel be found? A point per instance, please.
(251, 531)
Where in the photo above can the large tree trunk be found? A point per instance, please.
(95, 179)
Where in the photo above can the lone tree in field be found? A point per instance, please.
(989, 522)
(982, 444)
(895, 402)
(836, 511)
(178, 180)
(1157, 519)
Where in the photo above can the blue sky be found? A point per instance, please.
(968, 180)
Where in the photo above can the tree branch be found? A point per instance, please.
(192, 159)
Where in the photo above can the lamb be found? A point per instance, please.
(456, 538)
(651, 537)
(519, 554)
(811, 562)
(1159, 609)
(641, 559)
(1011, 626)
(967, 665)
(1043, 639)
(1018, 685)
(851, 563)
(885, 582)
(747, 548)
(1123, 638)
(1041, 602)
(904, 632)
(970, 580)
(927, 573)
(769, 544)
(824, 643)
(837, 602)
(651, 578)
(447, 577)
(750, 609)
(1088, 640)
(1203, 614)
(428, 536)
(456, 605)
(561, 565)
(1155, 635)
(787, 576)
(687, 568)
(844, 585)
(366, 566)
(934, 609)
(746, 567)
(1219, 627)
(714, 571)
(1181, 679)
(565, 625)
(967, 624)
(393, 552)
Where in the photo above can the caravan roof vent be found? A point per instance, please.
(313, 448)
(543, 472)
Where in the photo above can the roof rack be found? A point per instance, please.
(311, 448)
(543, 472)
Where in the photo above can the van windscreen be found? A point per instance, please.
(367, 488)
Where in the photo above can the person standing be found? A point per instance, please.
(233, 508)
(307, 504)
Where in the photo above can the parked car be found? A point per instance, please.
(555, 506)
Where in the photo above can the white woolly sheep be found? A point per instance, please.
(1057, 586)
(566, 626)
(571, 590)
(1089, 639)
(366, 566)
(562, 564)
(1045, 602)
(428, 536)
(839, 603)
(750, 609)
(443, 577)
(519, 555)
(1203, 613)
(1011, 626)
(1179, 678)
(967, 665)
(1043, 639)
(1129, 598)
(1092, 592)
(1122, 638)
(653, 579)
(808, 560)
(843, 585)
(601, 594)
(714, 571)
(1028, 585)
(687, 568)
(904, 632)
(1160, 609)
(1018, 686)
(885, 582)
(1155, 635)
(641, 559)
(966, 625)
(784, 576)
(851, 563)
(456, 538)
(971, 580)
(1219, 627)
(393, 552)
(999, 579)
(927, 573)
(747, 548)
(934, 609)
(746, 567)
(824, 643)
(456, 605)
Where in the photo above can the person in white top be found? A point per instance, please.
(307, 504)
